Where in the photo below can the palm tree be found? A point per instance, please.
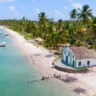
(71, 34)
(60, 25)
(73, 14)
(61, 37)
(50, 42)
(94, 29)
(43, 22)
(51, 27)
(42, 17)
(85, 14)
(31, 28)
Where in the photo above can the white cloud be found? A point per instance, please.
(77, 5)
(57, 13)
(37, 11)
(65, 7)
(12, 8)
(1, 1)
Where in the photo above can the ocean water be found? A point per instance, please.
(17, 74)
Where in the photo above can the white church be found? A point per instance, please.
(78, 56)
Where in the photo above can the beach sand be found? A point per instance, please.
(42, 60)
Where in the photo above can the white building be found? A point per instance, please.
(78, 56)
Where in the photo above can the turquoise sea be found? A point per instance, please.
(16, 74)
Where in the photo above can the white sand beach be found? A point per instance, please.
(38, 56)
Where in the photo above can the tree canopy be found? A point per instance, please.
(59, 32)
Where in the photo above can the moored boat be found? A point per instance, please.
(0, 32)
(3, 44)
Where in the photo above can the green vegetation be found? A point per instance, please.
(79, 31)
(82, 69)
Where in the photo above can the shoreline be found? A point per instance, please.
(37, 57)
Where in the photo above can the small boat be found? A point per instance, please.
(3, 44)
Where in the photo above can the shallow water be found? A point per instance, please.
(16, 74)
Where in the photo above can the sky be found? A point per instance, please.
(56, 9)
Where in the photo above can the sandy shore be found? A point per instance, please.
(42, 59)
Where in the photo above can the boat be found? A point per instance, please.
(3, 44)
(0, 32)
